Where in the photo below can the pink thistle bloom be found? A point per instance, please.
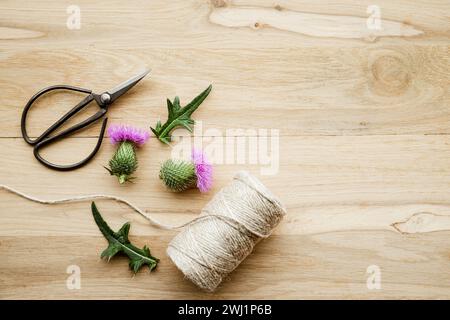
(203, 170)
(119, 133)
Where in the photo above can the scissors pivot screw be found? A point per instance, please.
(105, 97)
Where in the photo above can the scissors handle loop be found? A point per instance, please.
(44, 139)
(69, 131)
(58, 123)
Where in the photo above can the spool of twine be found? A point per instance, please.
(228, 228)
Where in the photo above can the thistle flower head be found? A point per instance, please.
(120, 133)
(203, 170)
(179, 175)
(124, 161)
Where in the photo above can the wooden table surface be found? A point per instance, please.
(364, 149)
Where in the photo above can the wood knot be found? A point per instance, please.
(423, 222)
(219, 3)
(278, 7)
(391, 76)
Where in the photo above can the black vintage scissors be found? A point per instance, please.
(103, 100)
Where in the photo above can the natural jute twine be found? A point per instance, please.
(238, 216)
(215, 243)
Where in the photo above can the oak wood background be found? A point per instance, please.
(364, 141)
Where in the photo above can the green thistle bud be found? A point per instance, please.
(124, 162)
(178, 175)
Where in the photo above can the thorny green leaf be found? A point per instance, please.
(179, 116)
(119, 243)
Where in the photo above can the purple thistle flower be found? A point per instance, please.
(203, 170)
(118, 133)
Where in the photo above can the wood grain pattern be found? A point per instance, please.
(364, 143)
(311, 24)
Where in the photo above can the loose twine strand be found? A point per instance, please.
(93, 197)
(220, 238)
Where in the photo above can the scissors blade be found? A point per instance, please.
(126, 85)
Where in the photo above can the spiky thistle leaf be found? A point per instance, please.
(119, 243)
(179, 116)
